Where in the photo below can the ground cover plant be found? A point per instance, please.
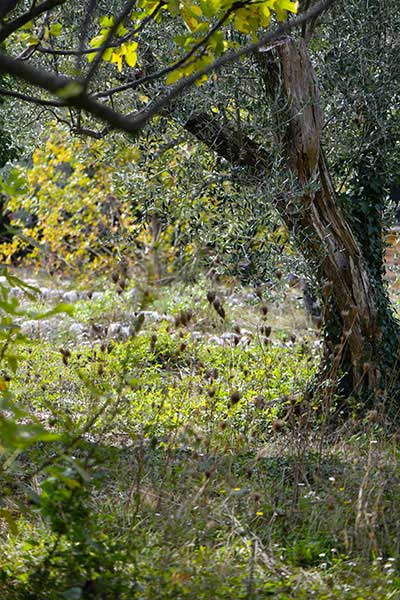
(186, 463)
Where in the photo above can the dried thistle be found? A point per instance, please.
(277, 425)
(211, 295)
(235, 397)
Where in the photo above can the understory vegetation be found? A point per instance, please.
(187, 461)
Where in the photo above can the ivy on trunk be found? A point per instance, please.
(361, 336)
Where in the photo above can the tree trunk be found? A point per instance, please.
(361, 337)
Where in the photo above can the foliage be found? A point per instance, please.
(198, 18)
(156, 205)
(18, 427)
(119, 41)
(181, 489)
(184, 457)
(8, 151)
(68, 213)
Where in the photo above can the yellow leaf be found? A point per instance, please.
(282, 6)
(116, 58)
(288, 5)
(97, 41)
(189, 19)
(242, 21)
(265, 15)
(107, 54)
(210, 7)
(122, 30)
(173, 77)
(131, 59)
(201, 79)
(56, 29)
(27, 25)
(129, 51)
(196, 10)
(107, 21)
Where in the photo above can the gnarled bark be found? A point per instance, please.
(361, 336)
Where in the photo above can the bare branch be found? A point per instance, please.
(91, 5)
(31, 99)
(66, 52)
(9, 28)
(27, 53)
(229, 143)
(97, 135)
(7, 6)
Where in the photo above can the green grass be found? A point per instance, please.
(187, 469)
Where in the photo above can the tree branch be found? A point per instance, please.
(7, 6)
(113, 30)
(108, 44)
(9, 28)
(183, 84)
(223, 139)
(27, 53)
(91, 5)
(176, 65)
(57, 83)
(78, 98)
(30, 99)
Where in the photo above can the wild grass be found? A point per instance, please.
(192, 465)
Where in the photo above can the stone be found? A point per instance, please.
(71, 297)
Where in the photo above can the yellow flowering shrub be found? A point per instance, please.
(71, 215)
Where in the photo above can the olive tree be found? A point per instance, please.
(333, 200)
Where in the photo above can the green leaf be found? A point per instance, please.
(12, 360)
(9, 519)
(56, 29)
(60, 308)
(210, 7)
(71, 90)
(30, 290)
(16, 183)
